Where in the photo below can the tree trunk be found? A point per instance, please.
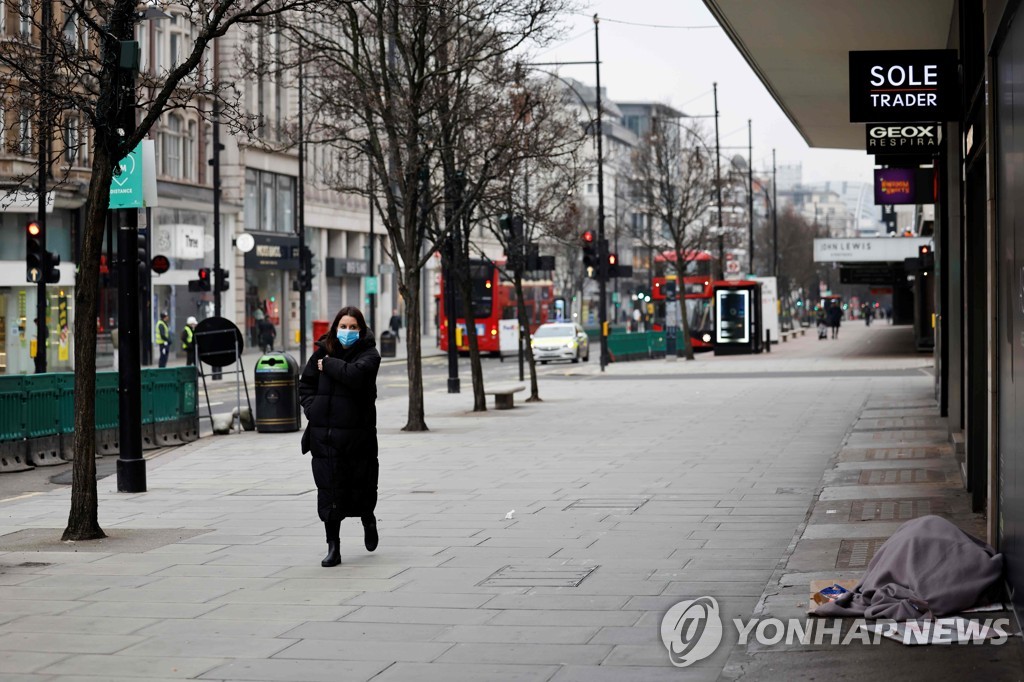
(83, 518)
(687, 339)
(465, 280)
(524, 324)
(410, 290)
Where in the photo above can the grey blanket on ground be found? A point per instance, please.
(928, 568)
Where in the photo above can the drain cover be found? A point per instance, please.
(895, 510)
(624, 505)
(857, 553)
(900, 476)
(537, 576)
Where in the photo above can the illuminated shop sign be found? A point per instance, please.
(903, 85)
(903, 138)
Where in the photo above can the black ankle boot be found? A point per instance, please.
(333, 557)
(370, 537)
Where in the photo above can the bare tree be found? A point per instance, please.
(547, 171)
(88, 79)
(421, 89)
(675, 180)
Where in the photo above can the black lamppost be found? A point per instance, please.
(602, 244)
(122, 48)
(718, 185)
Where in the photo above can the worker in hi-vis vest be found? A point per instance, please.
(188, 340)
(163, 338)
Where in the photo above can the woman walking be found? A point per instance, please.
(338, 391)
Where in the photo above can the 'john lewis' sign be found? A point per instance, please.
(903, 85)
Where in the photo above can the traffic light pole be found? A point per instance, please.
(305, 264)
(42, 331)
(602, 255)
(131, 466)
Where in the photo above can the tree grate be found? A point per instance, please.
(925, 452)
(537, 576)
(857, 553)
(900, 476)
(895, 509)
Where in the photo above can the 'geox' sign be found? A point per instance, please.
(904, 139)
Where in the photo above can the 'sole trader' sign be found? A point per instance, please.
(903, 85)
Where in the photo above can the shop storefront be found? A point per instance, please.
(270, 267)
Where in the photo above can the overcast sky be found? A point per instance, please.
(678, 66)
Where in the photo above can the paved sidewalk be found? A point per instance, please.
(543, 543)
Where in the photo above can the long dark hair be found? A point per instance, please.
(332, 345)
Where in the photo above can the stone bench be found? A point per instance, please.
(503, 397)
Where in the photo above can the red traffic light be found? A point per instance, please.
(161, 264)
(613, 259)
(588, 237)
(204, 274)
(924, 249)
(34, 229)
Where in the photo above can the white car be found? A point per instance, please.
(560, 341)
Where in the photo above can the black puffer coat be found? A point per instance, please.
(339, 403)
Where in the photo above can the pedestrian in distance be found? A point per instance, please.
(266, 332)
(395, 323)
(822, 325)
(338, 392)
(835, 318)
(163, 338)
(188, 340)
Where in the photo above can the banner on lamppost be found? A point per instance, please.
(126, 187)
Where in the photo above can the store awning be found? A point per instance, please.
(799, 48)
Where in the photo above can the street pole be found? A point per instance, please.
(42, 331)
(131, 466)
(216, 375)
(602, 251)
(370, 268)
(718, 184)
(750, 194)
(216, 208)
(453, 207)
(305, 266)
(775, 220)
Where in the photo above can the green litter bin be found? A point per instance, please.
(277, 394)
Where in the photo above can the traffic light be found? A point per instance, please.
(50, 263)
(223, 284)
(142, 246)
(34, 252)
(512, 233)
(615, 269)
(927, 257)
(589, 242)
(201, 284)
(303, 283)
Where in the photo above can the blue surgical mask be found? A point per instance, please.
(348, 336)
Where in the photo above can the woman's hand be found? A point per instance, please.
(320, 364)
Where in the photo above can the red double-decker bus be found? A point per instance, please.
(697, 293)
(494, 300)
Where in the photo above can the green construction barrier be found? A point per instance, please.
(108, 406)
(188, 403)
(66, 402)
(42, 411)
(164, 394)
(12, 408)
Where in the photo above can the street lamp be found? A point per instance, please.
(131, 466)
